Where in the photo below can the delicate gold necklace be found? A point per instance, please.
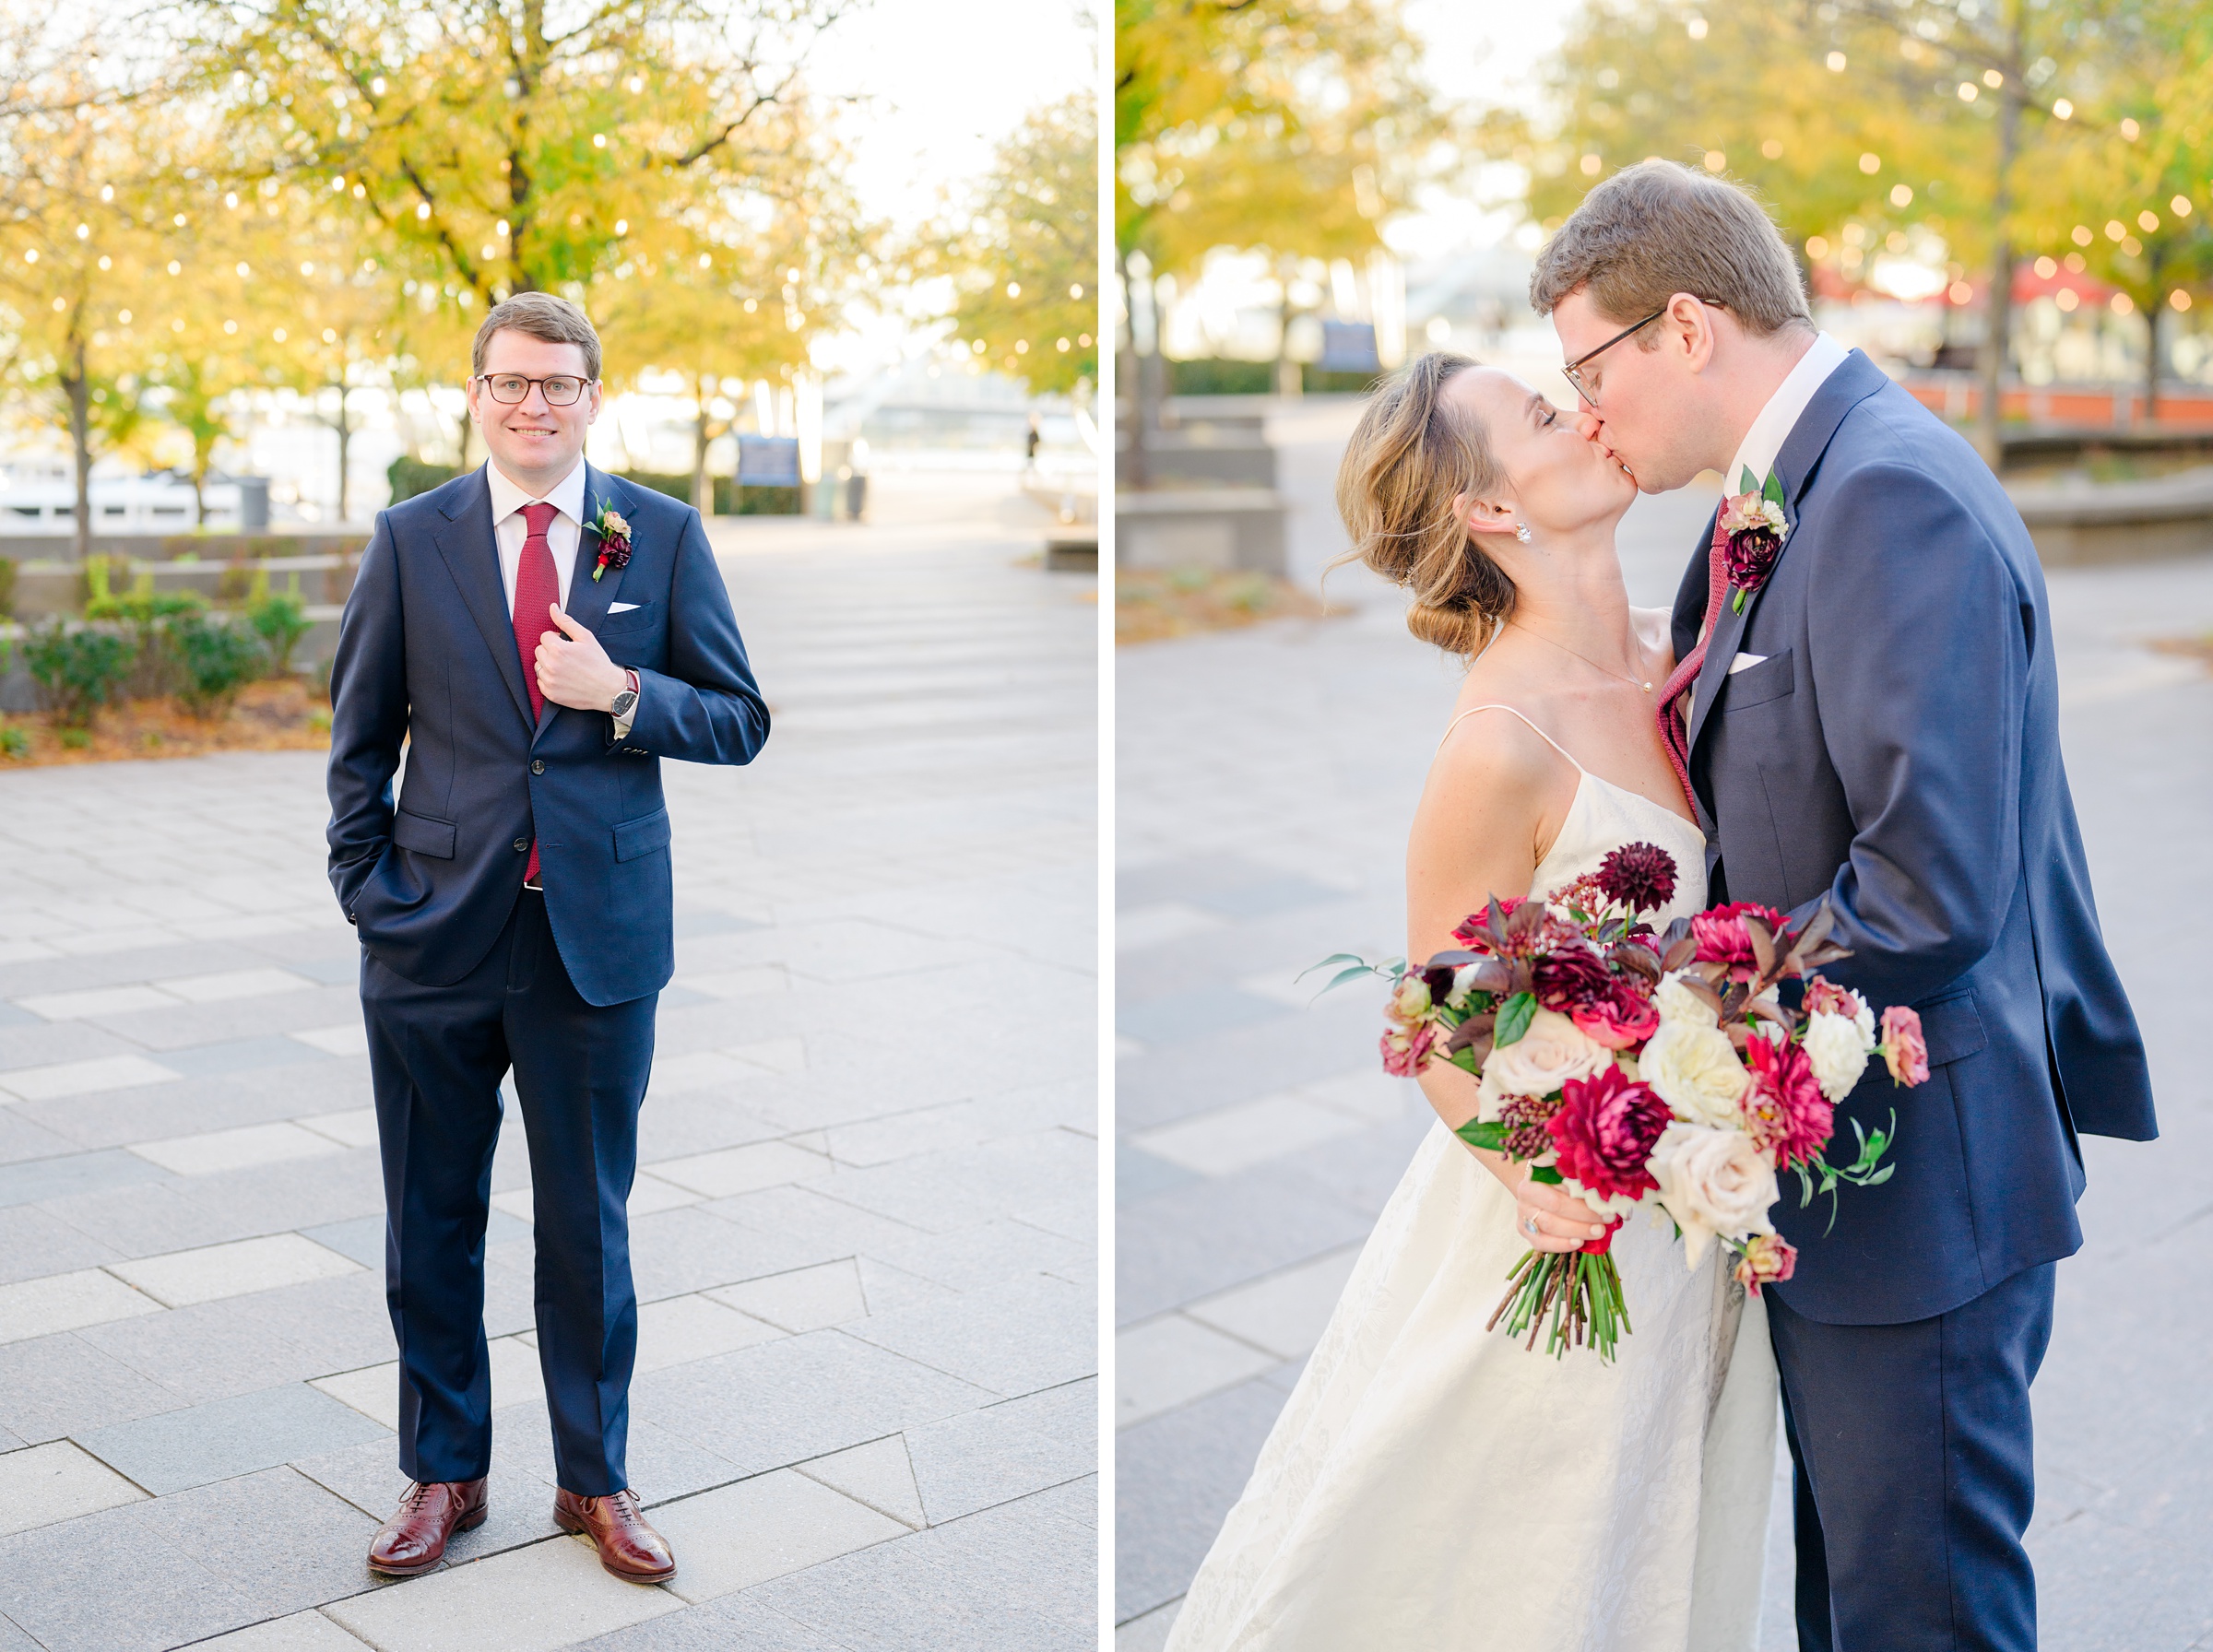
(1587, 660)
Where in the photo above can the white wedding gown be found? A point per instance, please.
(1434, 1487)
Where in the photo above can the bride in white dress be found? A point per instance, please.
(1432, 1486)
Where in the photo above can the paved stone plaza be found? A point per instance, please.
(864, 1232)
(1266, 778)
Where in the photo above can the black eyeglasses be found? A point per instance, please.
(1573, 372)
(561, 390)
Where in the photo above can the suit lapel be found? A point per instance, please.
(472, 557)
(1852, 382)
(589, 599)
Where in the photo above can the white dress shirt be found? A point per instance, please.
(566, 496)
(1780, 417)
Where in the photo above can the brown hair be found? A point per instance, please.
(1657, 228)
(541, 315)
(1411, 455)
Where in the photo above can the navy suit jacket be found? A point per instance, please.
(427, 654)
(1898, 751)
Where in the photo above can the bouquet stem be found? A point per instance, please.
(1571, 1298)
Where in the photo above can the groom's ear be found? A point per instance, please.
(1689, 327)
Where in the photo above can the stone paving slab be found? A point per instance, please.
(864, 1232)
(1258, 1144)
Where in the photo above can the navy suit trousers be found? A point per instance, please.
(437, 1055)
(1914, 1475)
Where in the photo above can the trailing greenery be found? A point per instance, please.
(77, 671)
(410, 476)
(217, 659)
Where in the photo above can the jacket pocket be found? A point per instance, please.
(1772, 679)
(642, 836)
(643, 617)
(423, 835)
(1952, 1027)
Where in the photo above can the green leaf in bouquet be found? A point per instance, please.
(1746, 482)
(1335, 958)
(1341, 976)
(1486, 1133)
(1514, 1017)
(1545, 1174)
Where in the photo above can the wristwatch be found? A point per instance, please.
(624, 706)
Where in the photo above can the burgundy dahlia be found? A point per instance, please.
(1721, 931)
(1785, 1111)
(1639, 877)
(1604, 1132)
(1572, 978)
(1749, 557)
(1525, 1116)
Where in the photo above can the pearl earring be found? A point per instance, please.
(1522, 532)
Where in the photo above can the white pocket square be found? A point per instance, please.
(624, 607)
(1743, 662)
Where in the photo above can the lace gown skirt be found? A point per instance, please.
(1433, 1486)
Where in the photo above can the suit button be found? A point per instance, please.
(522, 845)
(538, 765)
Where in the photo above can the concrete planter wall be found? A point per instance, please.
(1218, 528)
(2074, 524)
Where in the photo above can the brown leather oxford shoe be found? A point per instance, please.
(413, 1540)
(629, 1548)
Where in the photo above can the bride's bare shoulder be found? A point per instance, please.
(1491, 746)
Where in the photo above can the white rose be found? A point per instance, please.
(1463, 981)
(1677, 1002)
(1696, 1070)
(1714, 1183)
(1548, 1055)
(1837, 1052)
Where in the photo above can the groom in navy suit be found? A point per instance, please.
(540, 636)
(1875, 722)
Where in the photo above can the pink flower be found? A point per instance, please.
(1475, 931)
(1621, 1020)
(1905, 1051)
(1719, 933)
(1604, 1133)
(1768, 1257)
(1784, 1109)
(1406, 1050)
(1824, 997)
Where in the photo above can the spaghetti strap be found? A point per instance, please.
(1533, 728)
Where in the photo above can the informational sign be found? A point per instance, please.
(768, 461)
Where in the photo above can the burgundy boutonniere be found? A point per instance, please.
(614, 541)
(1748, 536)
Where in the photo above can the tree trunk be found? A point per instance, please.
(1997, 329)
(345, 454)
(1131, 468)
(703, 490)
(78, 385)
(2151, 331)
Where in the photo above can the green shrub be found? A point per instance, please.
(149, 614)
(14, 742)
(410, 476)
(7, 588)
(280, 618)
(77, 671)
(216, 659)
(1217, 377)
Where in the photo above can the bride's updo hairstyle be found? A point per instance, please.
(1410, 456)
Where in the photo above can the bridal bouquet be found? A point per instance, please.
(1629, 1067)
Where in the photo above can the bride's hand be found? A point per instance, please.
(1562, 1222)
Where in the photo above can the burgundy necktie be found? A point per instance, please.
(1675, 733)
(537, 588)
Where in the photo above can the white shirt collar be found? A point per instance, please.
(1780, 417)
(566, 496)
